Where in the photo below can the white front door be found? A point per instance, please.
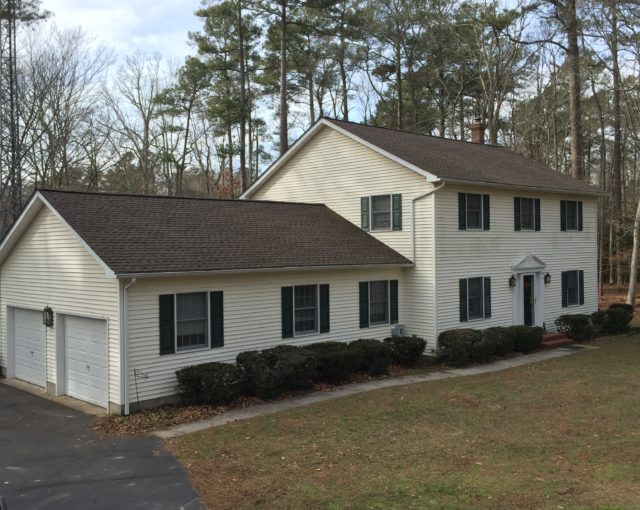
(29, 336)
(86, 359)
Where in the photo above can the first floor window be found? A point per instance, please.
(572, 288)
(475, 298)
(305, 309)
(191, 321)
(379, 302)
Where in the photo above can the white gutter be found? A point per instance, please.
(541, 189)
(413, 217)
(125, 344)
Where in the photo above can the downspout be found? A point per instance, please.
(125, 344)
(413, 218)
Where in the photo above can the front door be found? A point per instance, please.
(528, 299)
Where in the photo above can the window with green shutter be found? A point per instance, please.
(474, 211)
(305, 310)
(572, 288)
(570, 215)
(378, 303)
(474, 298)
(381, 212)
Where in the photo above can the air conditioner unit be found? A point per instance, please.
(397, 330)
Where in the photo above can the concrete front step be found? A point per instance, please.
(555, 340)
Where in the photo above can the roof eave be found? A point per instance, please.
(263, 270)
(559, 191)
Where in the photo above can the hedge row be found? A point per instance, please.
(272, 372)
(582, 327)
(459, 347)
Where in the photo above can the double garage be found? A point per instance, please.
(73, 350)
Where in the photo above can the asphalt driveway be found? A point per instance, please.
(50, 458)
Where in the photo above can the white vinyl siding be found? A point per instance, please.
(49, 266)
(493, 253)
(252, 318)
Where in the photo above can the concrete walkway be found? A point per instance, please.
(354, 389)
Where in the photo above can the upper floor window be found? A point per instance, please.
(473, 211)
(570, 215)
(381, 212)
(526, 213)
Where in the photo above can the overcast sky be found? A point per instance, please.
(128, 25)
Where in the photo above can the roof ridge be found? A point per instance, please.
(396, 130)
(140, 195)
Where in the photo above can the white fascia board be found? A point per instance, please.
(540, 189)
(107, 270)
(262, 270)
(20, 225)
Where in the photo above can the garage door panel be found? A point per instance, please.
(29, 346)
(86, 359)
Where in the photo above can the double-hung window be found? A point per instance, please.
(381, 212)
(526, 213)
(570, 215)
(305, 310)
(572, 288)
(378, 303)
(305, 300)
(191, 321)
(475, 298)
(473, 211)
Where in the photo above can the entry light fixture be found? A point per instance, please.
(547, 278)
(512, 281)
(47, 317)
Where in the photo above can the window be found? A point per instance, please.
(570, 215)
(191, 321)
(381, 212)
(475, 298)
(379, 302)
(572, 288)
(305, 309)
(473, 211)
(527, 214)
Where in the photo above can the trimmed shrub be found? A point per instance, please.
(526, 338)
(406, 350)
(262, 379)
(211, 383)
(577, 326)
(335, 361)
(501, 338)
(619, 315)
(599, 321)
(457, 346)
(371, 356)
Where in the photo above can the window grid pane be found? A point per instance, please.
(572, 215)
(379, 302)
(305, 309)
(381, 212)
(474, 210)
(191, 320)
(475, 298)
(527, 214)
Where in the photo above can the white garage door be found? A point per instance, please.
(29, 337)
(86, 359)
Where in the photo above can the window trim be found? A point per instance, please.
(577, 224)
(469, 319)
(374, 324)
(371, 197)
(577, 303)
(466, 211)
(317, 318)
(207, 328)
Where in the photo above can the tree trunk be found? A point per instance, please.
(284, 128)
(399, 86)
(575, 107)
(343, 80)
(244, 182)
(633, 266)
(616, 155)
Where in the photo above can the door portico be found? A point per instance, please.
(528, 293)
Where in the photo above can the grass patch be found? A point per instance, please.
(561, 433)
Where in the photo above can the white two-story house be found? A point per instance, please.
(356, 232)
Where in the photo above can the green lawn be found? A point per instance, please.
(558, 434)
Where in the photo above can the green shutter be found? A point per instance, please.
(393, 301)
(536, 209)
(364, 213)
(463, 300)
(462, 211)
(287, 312)
(486, 212)
(563, 215)
(324, 309)
(581, 286)
(564, 289)
(516, 213)
(216, 317)
(364, 304)
(167, 324)
(397, 211)
(487, 298)
(579, 215)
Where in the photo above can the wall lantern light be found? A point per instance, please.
(512, 281)
(547, 278)
(47, 317)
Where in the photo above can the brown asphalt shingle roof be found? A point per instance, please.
(144, 234)
(453, 159)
